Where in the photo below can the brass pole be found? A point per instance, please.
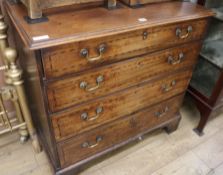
(12, 129)
(15, 74)
(23, 129)
(4, 114)
(3, 38)
(3, 45)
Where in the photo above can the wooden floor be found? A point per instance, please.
(181, 153)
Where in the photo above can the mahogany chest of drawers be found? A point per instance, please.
(98, 79)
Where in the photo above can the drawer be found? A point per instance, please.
(118, 76)
(79, 56)
(99, 139)
(106, 109)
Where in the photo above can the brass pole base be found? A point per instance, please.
(24, 134)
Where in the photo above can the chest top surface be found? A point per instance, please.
(72, 26)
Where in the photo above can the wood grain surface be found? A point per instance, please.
(101, 22)
(117, 105)
(72, 151)
(66, 59)
(144, 75)
(119, 76)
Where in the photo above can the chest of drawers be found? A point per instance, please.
(98, 79)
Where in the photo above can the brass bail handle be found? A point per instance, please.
(87, 144)
(173, 61)
(85, 117)
(84, 85)
(85, 53)
(162, 113)
(167, 88)
(180, 34)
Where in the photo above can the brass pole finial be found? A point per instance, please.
(11, 56)
(14, 73)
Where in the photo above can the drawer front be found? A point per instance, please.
(106, 109)
(76, 57)
(99, 139)
(119, 76)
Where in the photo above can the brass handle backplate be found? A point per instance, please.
(85, 53)
(87, 144)
(173, 61)
(162, 112)
(145, 35)
(168, 87)
(84, 85)
(179, 32)
(85, 117)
